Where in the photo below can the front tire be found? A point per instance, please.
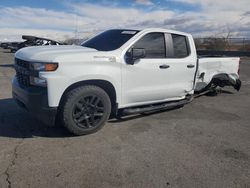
(85, 110)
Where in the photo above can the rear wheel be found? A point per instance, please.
(85, 110)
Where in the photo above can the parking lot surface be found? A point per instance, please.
(204, 144)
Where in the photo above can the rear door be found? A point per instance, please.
(165, 73)
(183, 61)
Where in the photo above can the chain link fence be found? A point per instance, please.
(223, 44)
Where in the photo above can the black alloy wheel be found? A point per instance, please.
(85, 109)
(88, 111)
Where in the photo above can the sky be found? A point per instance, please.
(63, 19)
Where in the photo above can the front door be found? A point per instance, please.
(156, 77)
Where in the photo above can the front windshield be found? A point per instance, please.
(110, 40)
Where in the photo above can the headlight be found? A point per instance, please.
(38, 81)
(44, 66)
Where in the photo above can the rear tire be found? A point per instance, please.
(85, 109)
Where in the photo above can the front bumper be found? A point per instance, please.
(35, 101)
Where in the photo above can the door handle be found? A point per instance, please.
(164, 66)
(190, 66)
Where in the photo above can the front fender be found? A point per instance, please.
(56, 85)
(70, 73)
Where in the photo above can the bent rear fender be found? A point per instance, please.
(223, 80)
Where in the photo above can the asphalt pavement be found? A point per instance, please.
(204, 144)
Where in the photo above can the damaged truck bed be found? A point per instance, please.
(217, 71)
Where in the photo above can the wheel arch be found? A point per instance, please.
(225, 79)
(107, 86)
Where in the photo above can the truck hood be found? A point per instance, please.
(50, 53)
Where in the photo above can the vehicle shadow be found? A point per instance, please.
(218, 92)
(137, 116)
(17, 123)
(214, 93)
(7, 65)
(8, 52)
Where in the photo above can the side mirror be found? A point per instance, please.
(134, 54)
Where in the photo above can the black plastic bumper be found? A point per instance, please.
(35, 101)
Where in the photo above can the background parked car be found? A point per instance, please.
(29, 41)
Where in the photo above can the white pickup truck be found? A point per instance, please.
(118, 72)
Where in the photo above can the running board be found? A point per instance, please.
(156, 107)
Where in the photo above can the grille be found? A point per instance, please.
(22, 63)
(22, 78)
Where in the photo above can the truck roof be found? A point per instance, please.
(157, 30)
(164, 30)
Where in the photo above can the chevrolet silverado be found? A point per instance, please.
(118, 72)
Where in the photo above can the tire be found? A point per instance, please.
(85, 110)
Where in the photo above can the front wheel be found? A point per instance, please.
(85, 110)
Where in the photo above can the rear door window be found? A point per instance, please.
(180, 46)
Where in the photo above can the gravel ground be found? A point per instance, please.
(204, 144)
